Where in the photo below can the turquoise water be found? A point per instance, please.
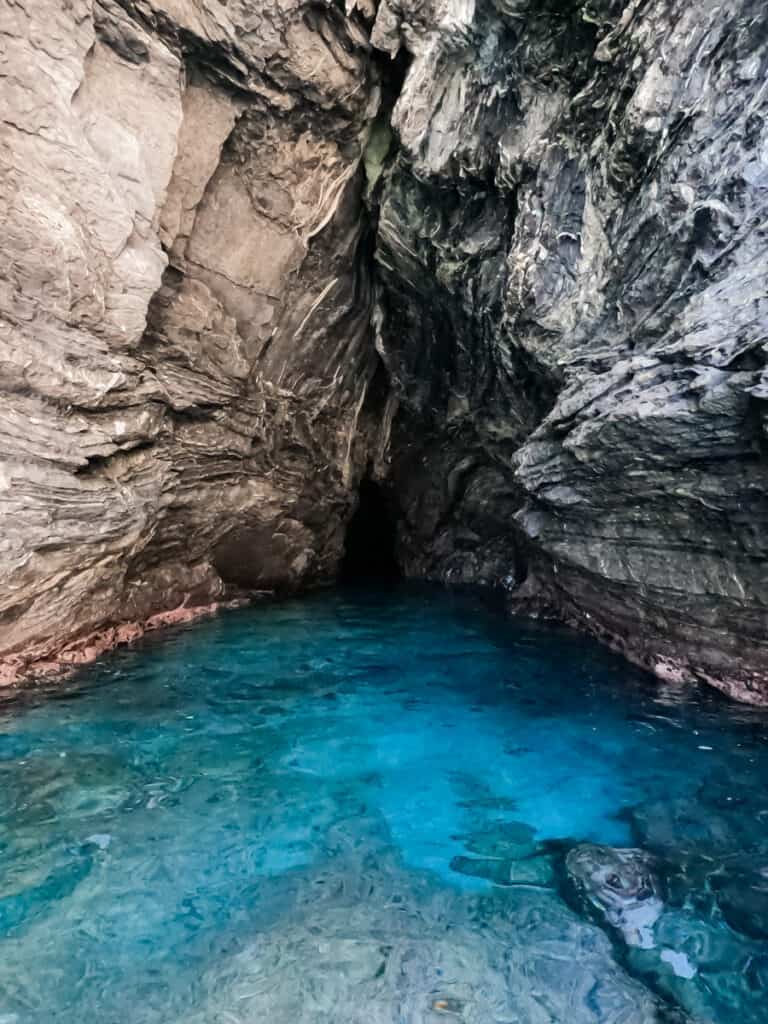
(355, 807)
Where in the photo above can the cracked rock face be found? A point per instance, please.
(184, 309)
(546, 220)
(573, 259)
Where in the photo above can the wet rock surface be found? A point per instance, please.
(396, 949)
(572, 254)
(622, 886)
(695, 955)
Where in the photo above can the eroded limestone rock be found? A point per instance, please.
(184, 314)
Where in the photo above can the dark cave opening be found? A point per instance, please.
(369, 546)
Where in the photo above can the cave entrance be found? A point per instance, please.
(369, 547)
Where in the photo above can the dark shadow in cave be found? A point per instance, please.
(369, 547)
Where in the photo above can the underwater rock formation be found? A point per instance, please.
(506, 258)
(693, 962)
(622, 886)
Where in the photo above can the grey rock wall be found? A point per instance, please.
(574, 311)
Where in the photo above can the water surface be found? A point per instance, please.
(355, 808)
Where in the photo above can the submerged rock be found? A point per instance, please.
(512, 839)
(704, 967)
(387, 960)
(505, 853)
(742, 896)
(536, 871)
(622, 886)
(699, 964)
(686, 828)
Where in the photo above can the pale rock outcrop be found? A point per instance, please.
(184, 315)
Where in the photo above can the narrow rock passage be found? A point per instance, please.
(369, 546)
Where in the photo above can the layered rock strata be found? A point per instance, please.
(508, 257)
(185, 306)
(573, 309)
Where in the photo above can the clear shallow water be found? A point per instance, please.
(355, 807)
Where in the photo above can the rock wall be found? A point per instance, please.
(573, 309)
(509, 256)
(184, 307)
